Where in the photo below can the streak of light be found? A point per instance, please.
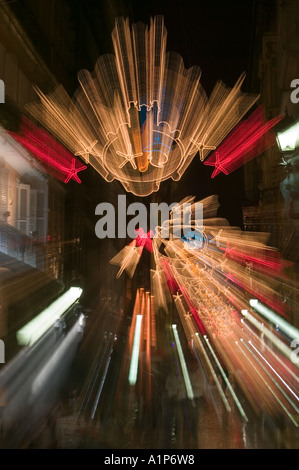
(271, 352)
(100, 388)
(248, 140)
(57, 161)
(283, 325)
(147, 326)
(280, 378)
(137, 310)
(135, 352)
(237, 401)
(153, 322)
(271, 336)
(218, 385)
(128, 259)
(50, 369)
(183, 363)
(42, 322)
(266, 383)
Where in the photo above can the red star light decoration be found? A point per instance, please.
(56, 160)
(248, 140)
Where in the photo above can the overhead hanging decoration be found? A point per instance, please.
(228, 287)
(140, 117)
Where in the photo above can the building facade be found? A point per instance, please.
(271, 184)
(31, 203)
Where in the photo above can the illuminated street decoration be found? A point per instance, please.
(213, 277)
(128, 258)
(248, 140)
(56, 159)
(144, 239)
(140, 117)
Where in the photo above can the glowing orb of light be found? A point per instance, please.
(140, 117)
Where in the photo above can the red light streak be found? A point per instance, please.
(56, 159)
(248, 140)
(265, 261)
(144, 239)
(172, 284)
(194, 312)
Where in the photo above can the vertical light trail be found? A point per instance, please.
(136, 310)
(100, 388)
(148, 327)
(153, 322)
(135, 352)
(242, 412)
(148, 340)
(183, 363)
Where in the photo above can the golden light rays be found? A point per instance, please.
(227, 287)
(140, 117)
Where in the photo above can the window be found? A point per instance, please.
(23, 208)
(4, 175)
(32, 220)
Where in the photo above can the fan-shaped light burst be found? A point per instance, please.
(140, 117)
(57, 161)
(128, 258)
(228, 287)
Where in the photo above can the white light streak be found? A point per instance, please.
(271, 336)
(270, 351)
(266, 383)
(31, 332)
(283, 325)
(218, 385)
(135, 352)
(226, 380)
(276, 373)
(51, 368)
(183, 363)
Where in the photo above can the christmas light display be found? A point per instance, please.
(248, 140)
(140, 117)
(228, 287)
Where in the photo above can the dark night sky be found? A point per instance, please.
(215, 35)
